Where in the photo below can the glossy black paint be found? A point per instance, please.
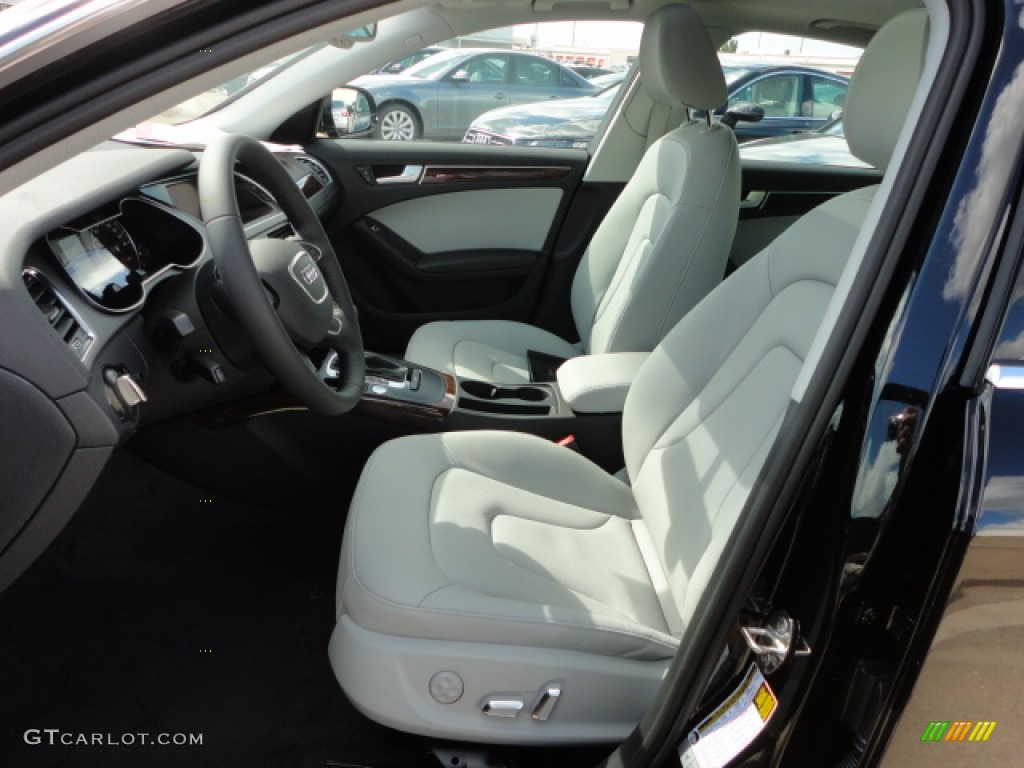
(907, 454)
(888, 511)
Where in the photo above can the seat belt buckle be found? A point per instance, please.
(569, 441)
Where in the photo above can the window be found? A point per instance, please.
(777, 95)
(539, 72)
(501, 86)
(825, 97)
(484, 69)
(567, 80)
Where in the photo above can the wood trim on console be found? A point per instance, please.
(416, 415)
(408, 414)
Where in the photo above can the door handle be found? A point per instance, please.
(409, 175)
(499, 95)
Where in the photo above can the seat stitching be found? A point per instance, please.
(771, 435)
(598, 628)
(753, 322)
(679, 283)
(360, 492)
(676, 205)
(548, 577)
(725, 398)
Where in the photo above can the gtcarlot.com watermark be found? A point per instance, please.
(55, 736)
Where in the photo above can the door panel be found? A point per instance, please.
(474, 220)
(430, 231)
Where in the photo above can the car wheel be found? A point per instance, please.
(398, 123)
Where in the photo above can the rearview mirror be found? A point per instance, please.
(362, 34)
(462, 76)
(348, 112)
(743, 112)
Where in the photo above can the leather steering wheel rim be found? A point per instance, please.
(282, 349)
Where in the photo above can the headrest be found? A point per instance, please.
(883, 86)
(678, 61)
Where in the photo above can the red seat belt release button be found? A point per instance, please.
(569, 441)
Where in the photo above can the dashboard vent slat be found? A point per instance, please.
(58, 314)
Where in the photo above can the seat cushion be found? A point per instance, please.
(487, 350)
(500, 537)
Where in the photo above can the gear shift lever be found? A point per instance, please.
(382, 368)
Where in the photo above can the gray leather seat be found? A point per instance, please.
(482, 572)
(662, 246)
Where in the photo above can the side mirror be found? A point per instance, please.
(462, 76)
(348, 112)
(743, 112)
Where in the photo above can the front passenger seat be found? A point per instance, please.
(496, 587)
(660, 249)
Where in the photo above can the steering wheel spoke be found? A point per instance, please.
(313, 307)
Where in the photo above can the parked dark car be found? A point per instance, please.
(439, 97)
(783, 92)
(793, 98)
(568, 123)
(823, 146)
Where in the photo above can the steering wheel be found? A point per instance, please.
(289, 295)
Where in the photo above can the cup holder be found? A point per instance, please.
(485, 391)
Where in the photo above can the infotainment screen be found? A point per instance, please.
(96, 271)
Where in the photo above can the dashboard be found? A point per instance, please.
(109, 294)
(112, 254)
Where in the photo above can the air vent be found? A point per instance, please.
(318, 170)
(57, 312)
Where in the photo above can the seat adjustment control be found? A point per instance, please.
(546, 702)
(504, 706)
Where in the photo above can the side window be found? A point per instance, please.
(536, 72)
(567, 80)
(824, 97)
(486, 69)
(778, 95)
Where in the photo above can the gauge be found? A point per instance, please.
(112, 235)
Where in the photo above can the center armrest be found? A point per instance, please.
(599, 383)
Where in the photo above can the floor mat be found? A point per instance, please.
(164, 611)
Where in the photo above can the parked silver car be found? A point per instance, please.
(439, 97)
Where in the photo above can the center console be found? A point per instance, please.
(423, 399)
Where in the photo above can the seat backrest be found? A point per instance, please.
(704, 410)
(665, 241)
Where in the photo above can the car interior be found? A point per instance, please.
(349, 450)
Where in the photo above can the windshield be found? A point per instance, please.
(215, 98)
